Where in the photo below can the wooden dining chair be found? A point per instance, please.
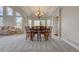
(27, 28)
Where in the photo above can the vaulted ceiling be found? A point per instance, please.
(48, 10)
(29, 10)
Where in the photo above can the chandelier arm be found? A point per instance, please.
(39, 13)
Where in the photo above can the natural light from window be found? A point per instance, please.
(18, 20)
(9, 11)
(1, 11)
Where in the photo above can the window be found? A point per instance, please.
(49, 22)
(1, 11)
(18, 21)
(1, 21)
(1, 16)
(36, 22)
(29, 22)
(9, 11)
(43, 22)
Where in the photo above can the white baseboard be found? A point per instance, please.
(72, 44)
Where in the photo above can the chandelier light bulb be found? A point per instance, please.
(39, 13)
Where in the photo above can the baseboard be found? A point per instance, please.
(70, 43)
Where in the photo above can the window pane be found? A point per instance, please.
(48, 22)
(19, 22)
(42, 22)
(29, 22)
(9, 11)
(1, 21)
(18, 19)
(36, 22)
(1, 11)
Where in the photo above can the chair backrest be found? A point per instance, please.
(27, 28)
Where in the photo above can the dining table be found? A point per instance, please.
(39, 30)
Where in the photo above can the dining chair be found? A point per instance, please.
(27, 28)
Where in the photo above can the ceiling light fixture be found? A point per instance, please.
(39, 13)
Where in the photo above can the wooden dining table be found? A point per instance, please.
(39, 30)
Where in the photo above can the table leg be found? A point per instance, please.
(31, 36)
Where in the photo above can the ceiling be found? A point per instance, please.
(47, 10)
(30, 10)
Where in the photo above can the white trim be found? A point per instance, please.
(72, 44)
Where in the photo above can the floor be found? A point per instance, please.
(18, 43)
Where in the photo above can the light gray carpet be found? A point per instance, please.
(18, 43)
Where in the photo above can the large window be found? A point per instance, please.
(49, 22)
(39, 22)
(18, 20)
(9, 11)
(43, 22)
(1, 16)
(1, 11)
(36, 22)
(30, 22)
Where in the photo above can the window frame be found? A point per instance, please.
(19, 23)
(8, 12)
(1, 11)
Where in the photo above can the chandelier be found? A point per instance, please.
(39, 13)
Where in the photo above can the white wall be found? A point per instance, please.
(70, 24)
(9, 21)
